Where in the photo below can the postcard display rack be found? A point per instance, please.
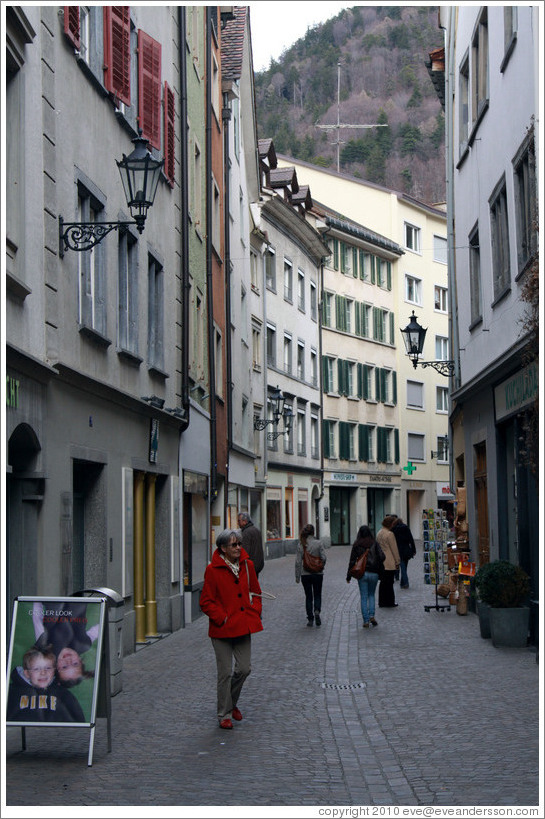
(435, 532)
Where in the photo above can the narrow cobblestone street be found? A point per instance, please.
(419, 711)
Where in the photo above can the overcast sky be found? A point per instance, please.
(276, 26)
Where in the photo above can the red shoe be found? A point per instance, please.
(236, 714)
(226, 723)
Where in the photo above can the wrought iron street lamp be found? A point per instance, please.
(413, 336)
(140, 174)
(279, 410)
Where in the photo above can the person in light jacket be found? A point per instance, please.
(373, 567)
(231, 598)
(312, 581)
(387, 542)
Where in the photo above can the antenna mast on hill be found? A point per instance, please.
(340, 124)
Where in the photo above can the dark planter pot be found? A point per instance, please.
(509, 627)
(483, 610)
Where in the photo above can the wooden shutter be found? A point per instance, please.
(335, 254)
(389, 275)
(169, 134)
(355, 262)
(372, 258)
(325, 371)
(363, 441)
(396, 445)
(149, 88)
(377, 384)
(394, 387)
(344, 449)
(359, 370)
(117, 52)
(341, 389)
(71, 25)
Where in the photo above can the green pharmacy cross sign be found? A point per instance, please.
(410, 468)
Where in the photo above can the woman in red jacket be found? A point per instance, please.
(231, 599)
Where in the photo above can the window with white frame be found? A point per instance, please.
(441, 298)
(329, 374)
(415, 394)
(328, 308)
(301, 290)
(301, 433)
(270, 268)
(289, 436)
(349, 375)
(91, 278)
(348, 308)
(128, 293)
(479, 66)
(463, 104)
(415, 446)
(271, 346)
(412, 237)
(413, 290)
(509, 27)
(441, 399)
(365, 265)
(301, 360)
(287, 353)
(442, 448)
(499, 226)
(254, 271)
(475, 276)
(314, 437)
(440, 249)
(526, 203)
(314, 368)
(256, 348)
(156, 313)
(288, 280)
(313, 302)
(441, 348)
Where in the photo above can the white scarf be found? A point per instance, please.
(235, 567)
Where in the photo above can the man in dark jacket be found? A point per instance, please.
(252, 541)
(406, 548)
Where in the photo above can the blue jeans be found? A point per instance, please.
(403, 571)
(368, 585)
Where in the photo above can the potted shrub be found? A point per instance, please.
(505, 588)
(482, 607)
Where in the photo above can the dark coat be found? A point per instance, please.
(226, 598)
(26, 703)
(375, 558)
(405, 541)
(253, 543)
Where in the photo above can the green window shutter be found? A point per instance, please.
(372, 269)
(355, 262)
(389, 275)
(359, 370)
(344, 449)
(325, 372)
(377, 383)
(365, 376)
(364, 320)
(379, 446)
(383, 385)
(396, 445)
(363, 442)
(336, 254)
(379, 271)
(375, 323)
(325, 439)
(392, 337)
(357, 318)
(343, 257)
(394, 387)
(338, 312)
(362, 265)
(340, 376)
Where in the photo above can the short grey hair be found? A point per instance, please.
(224, 537)
(244, 516)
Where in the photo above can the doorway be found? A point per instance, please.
(339, 500)
(377, 504)
(480, 478)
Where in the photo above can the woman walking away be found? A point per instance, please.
(406, 548)
(368, 583)
(386, 540)
(231, 598)
(312, 581)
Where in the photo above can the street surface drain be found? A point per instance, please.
(344, 686)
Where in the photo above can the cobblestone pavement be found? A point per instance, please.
(418, 711)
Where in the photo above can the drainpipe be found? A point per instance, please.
(320, 382)
(450, 41)
(209, 282)
(225, 117)
(184, 165)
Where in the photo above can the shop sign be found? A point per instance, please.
(344, 477)
(153, 440)
(516, 392)
(444, 491)
(380, 478)
(12, 392)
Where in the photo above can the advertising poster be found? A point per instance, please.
(54, 660)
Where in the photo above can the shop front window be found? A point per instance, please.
(274, 514)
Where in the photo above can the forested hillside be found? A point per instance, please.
(382, 51)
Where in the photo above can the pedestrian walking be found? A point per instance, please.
(312, 580)
(252, 541)
(386, 540)
(406, 548)
(230, 598)
(365, 541)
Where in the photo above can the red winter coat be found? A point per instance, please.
(226, 599)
